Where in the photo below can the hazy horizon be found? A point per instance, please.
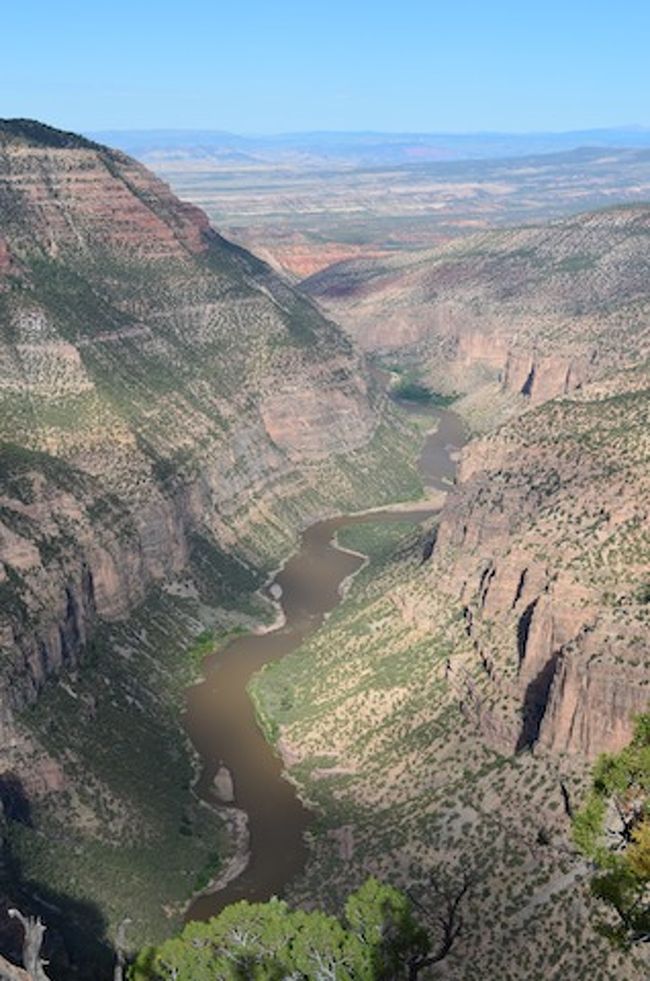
(279, 134)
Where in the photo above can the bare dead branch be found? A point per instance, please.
(34, 930)
(449, 920)
(120, 950)
(9, 971)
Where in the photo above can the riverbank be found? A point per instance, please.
(224, 724)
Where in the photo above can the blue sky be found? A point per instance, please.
(280, 65)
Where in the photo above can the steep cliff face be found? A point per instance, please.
(553, 321)
(389, 718)
(69, 555)
(171, 413)
(539, 311)
(168, 369)
(544, 545)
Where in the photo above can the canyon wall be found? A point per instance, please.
(163, 396)
(545, 331)
(536, 312)
(543, 546)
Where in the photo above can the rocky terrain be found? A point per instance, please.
(527, 314)
(443, 720)
(171, 414)
(445, 717)
(546, 546)
(303, 212)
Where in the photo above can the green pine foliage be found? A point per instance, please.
(620, 847)
(376, 938)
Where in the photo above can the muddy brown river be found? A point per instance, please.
(220, 719)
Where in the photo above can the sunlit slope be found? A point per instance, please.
(174, 368)
(517, 315)
(171, 413)
(444, 718)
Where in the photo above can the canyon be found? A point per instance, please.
(175, 413)
(538, 311)
(545, 332)
(442, 722)
(153, 469)
(308, 202)
(150, 374)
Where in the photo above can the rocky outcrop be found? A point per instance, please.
(171, 414)
(167, 398)
(305, 425)
(538, 311)
(594, 695)
(542, 547)
(294, 253)
(68, 557)
(546, 377)
(68, 188)
(57, 644)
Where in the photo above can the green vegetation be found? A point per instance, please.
(29, 130)
(18, 463)
(211, 640)
(397, 774)
(223, 579)
(410, 390)
(164, 408)
(377, 474)
(272, 689)
(621, 782)
(203, 645)
(644, 593)
(409, 387)
(378, 938)
(128, 823)
(575, 264)
(168, 399)
(378, 539)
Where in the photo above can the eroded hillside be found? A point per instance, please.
(443, 720)
(171, 414)
(546, 543)
(526, 314)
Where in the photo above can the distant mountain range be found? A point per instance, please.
(363, 148)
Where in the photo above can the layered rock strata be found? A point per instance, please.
(544, 546)
(163, 396)
(538, 311)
